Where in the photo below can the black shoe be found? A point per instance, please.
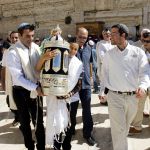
(104, 103)
(96, 92)
(15, 122)
(91, 141)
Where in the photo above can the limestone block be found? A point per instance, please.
(12, 24)
(1, 12)
(77, 17)
(48, 9)
(84, 5)
(121, 13)
(21, 12)
(129, 4)
(12, 1)
(104, 4)
(146, 16)
(59, 4)
(17, 6)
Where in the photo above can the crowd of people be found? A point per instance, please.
(120, 73)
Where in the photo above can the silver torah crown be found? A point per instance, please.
(57, 41)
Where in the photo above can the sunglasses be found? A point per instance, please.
(146, 34)
(146, 41)
(37, 40)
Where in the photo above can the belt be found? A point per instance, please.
(125, 93)
(18, 87)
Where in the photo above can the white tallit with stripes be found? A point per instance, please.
(57, 113)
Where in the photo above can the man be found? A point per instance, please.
(101, 48)
(125, 74)
(6, 80)
(139, 42)
(136, 125)
(94, 67)
(22, 59)
(37, 41)
(85, 55)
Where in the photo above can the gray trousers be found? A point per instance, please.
(122, 110)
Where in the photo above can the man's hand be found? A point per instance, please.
(65, 96)
(140, 93)
(39, 91)
(49, 55)
(102, 98)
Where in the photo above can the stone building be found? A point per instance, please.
(47, 13)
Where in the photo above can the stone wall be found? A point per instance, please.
(47, 13)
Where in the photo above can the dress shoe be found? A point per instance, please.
(146, 115)
(133, 131)
(104, 103)
(91, 141)
(96, 92)
(15, 122)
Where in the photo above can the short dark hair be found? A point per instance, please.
(13, 32)
(122, 28)
(31, 27)
(105, 30)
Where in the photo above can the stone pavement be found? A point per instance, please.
(11, 138)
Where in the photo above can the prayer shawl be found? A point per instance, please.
(29, 62)
(57, 113)
(8, 82)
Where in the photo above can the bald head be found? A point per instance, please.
(82, 30)
(82, 35)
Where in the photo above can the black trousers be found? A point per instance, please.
(64, 143)
(73, 113)
(15, 112)
(85, 97)
(30, 109)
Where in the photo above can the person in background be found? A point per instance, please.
(126, 83)
(7, 81)
(94, 67)
(101, 48)
(21, 60)
(136, 125)
(75, 98)
(85, 55)
(37, 41)
(139, 43)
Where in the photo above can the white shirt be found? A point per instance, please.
(75, 98)
(102, 47)
(16, 70)
(8, 82)
(125, 70)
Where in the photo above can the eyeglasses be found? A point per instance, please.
(146, 41)
(114, 33)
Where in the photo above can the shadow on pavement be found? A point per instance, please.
(6, 115)
(101, 135)
(10, 135)
(97, 118)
